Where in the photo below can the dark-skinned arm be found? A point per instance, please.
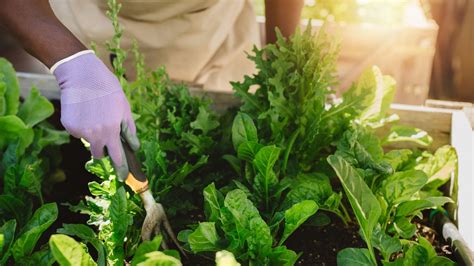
(34, 25)
(284, 14)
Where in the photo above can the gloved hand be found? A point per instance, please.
(94, 107)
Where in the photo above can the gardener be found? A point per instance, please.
(200, 41)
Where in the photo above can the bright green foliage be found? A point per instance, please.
(19, 242)
(260, 166)
(29, 157)
(293, 80)
(111, 210)
(177, 131)
(422, 253)
(387, 191)
(68, 252)
(364, 204)
(234, 224)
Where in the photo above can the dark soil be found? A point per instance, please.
(321, 244)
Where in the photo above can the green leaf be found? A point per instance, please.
(12, 91)
(296, 216)
(439, 167)
(401, 186)
(204, 121)
(13, 128)
(397, 158)
(233, 161)
(243, 129)
(226, 258)
(404, 227)
(362, 148)
(428, 247)
(15, 207)
(120, 220)
(242, 218)
(313, 186)
(31, 232)
(441, 261)
(248, 150)
(386, 244)
(415, 256)
(265, 159)
(354, 257)
(213, 201)
(372, 94)
(146, 247)
(413, 207)
(35, 108)
(283, 256)
(52, 137)
(41, 257)
(68, 252)
(401, 133)
(204, 238)
(7, 231)
(157, 258)
(88, 235)
(364, 204)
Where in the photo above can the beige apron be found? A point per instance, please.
(199, 41)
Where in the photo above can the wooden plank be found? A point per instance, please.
(435, 121)
(46, 84)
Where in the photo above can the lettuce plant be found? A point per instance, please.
(28, 167)
(386, 190)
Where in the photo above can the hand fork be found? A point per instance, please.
(155, 213)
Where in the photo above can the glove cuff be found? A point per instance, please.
(69, 58)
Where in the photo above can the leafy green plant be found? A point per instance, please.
(293, 81)
(234, 224)
(28, 168)
(385, 194)
(69, 252)
(19, 241)
(260, 169)
(115, 214)
(177, 131)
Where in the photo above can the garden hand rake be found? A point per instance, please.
(155, 213)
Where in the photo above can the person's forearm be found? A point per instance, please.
(284, 14)
(35, 26)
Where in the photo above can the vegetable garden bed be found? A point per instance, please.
(287, 176)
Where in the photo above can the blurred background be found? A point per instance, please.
(426, 45)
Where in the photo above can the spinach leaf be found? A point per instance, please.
(401, 133)
(7, 231)
(157, 258)
(204, 238)
(364, 204)
(243, 129)
(68, 252)
(296, 216)
(31, 232)
(87, 235)
(401, 186)
(355, 257)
